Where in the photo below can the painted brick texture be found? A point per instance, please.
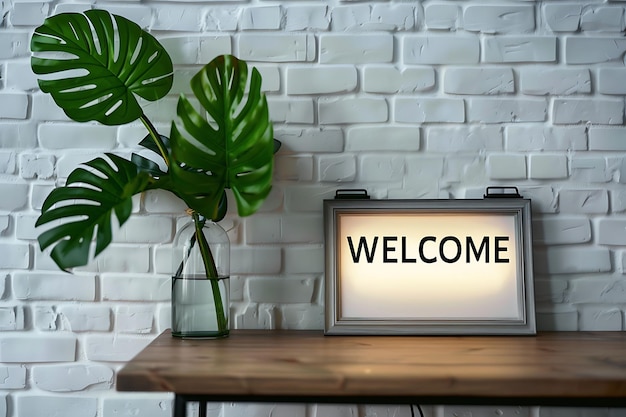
(407, 99)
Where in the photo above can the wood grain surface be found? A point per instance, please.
(260, 365)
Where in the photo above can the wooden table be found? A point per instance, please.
(561, 368)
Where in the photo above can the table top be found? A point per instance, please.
(306, 366)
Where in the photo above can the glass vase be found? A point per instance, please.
(201, 280)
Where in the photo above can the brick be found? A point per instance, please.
(14, 44)
(69, 161)
(362, 48)
(132, 10)
(117, 348)
(15, 196)
(185, 50)
(571, 260)
(53, 286)
(462, 139)
(602, 19)
(161, 201)
(134, 319)
(292, 111)
(506, 167)
(353, 110)
(256, 317)
(4, 224)
(381, 168)
(578, 110)
(519, 138)
(440, 49)
(28, 348)
(618, 201)
(304, 259)
(11, 318)
(12, 377)
(145, 229)
(280, 290)
(610, 231)
(501, 110)
(221, 18)
(600, 318)
(333, 410)
(442, 16)
(597, 290)
(378, 17)
(85, 318)
(303, 316)
(557, 319)
(257, 260)
(584, 201)
(590, 170)
(276, 47)
(36, 166)
(259, 410)
(271, 77)
(19, 76)
(120, 258)
(552, 81)
(611, 81)
(18, 135)
(45, 109)
(562, 17)
(287, 228)
(321, 80)
(137, 406)
(45, 318)
(507, 18)
(422, 171)
(307, 199)
(594, 50)
(261, 18)
(544, 166)
(519, 49)
(336, 168)
(68, 406)
(172, 17)
(550, 291)
(382, 138)
(15, 255)
(135, 287)
(485, 81)
(76, 136)
(561, 230)
(429, 110)
(307, 17)
(504, 411)
(306, 140)
(29, 14)
(391, 79)
(72, 377)
(294, 168)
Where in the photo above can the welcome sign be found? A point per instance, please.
(428, 266)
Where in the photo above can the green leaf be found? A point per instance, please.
(86, 205)
(231, 146)
(95, 63)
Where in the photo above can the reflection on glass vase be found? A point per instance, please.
(201, 281)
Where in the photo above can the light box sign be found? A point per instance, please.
(429, 267)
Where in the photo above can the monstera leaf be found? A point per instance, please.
(91, 196)
(93, 65)
(230, 146)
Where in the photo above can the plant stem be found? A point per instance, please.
(156, 138)
(211, 271)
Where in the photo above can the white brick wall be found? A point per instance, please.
(408, 99)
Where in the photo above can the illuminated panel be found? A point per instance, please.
(431, 265)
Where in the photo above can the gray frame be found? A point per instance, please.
(518, 208)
